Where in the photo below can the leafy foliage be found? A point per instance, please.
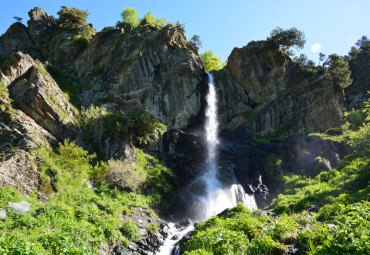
(72, 17)
(211, 62)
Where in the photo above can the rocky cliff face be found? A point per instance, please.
(262, 90)
(150, 67)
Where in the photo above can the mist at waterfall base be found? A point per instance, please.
(214, 196)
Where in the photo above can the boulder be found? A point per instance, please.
(20, 207)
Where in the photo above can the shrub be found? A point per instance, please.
(136, 126)
(125, 176)
(80, 42)
(328, 212)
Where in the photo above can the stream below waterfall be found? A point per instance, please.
(217, 197)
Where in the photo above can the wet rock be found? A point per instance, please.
(183, 224)
(142, 231)
(121, 250)
(155, 240)
(133, 246)
(19, 207)
(293, 249)
(223, 213)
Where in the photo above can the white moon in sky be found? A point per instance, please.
(315, 47)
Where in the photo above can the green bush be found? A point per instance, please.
(125, 176)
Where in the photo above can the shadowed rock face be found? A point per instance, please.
(357, 93)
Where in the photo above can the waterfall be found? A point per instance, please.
(217, 196)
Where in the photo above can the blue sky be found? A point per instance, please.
(222, 25)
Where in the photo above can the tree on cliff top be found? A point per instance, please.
(130, 15)
(338, 70)
(288, 38)
(72, 17)
(211, 62)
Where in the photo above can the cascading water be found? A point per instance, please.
(217, 196)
